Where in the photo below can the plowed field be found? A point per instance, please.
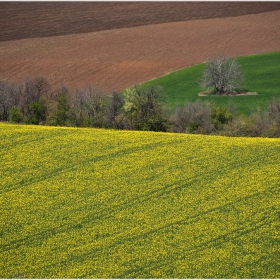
(116, 45)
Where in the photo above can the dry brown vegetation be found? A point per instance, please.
(115, 45)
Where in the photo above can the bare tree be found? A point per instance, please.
(33, 94)
(113, 110)
(222, 76)
(274, 115)
(34, 89)
(95, 102)
(88, 107)
(41, 86)
(193, 118)
(9, 97)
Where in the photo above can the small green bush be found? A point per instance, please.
(220, 115)
(15, 115)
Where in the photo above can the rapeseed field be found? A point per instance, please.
(94, 203)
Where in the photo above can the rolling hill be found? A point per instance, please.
(132, 47)
(261, 76)
(94, 203)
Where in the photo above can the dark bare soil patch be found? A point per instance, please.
(41, 19)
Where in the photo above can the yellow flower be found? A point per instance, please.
(95, 203)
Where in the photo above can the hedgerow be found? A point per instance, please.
(138, 108)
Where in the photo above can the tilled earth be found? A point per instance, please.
(118, 52)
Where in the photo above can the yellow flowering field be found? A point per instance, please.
(96, 203)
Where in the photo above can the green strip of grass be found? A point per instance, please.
(262, 72)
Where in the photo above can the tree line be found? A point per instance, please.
(137, 108)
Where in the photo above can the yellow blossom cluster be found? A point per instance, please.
(96, 203)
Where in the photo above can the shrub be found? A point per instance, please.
(274, 117)
(113, 110)
(193, 118)
(142, 109)
(37, 112)
(62, 108)
(15, 115)
(220, 115)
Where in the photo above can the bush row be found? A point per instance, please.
(138, 108)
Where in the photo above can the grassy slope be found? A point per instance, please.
(261, 71)
(101, 204)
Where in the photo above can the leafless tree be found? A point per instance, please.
(193, 118)
(274, 115)
(34, 89)
(95, 101)
(9, 97)
(222, 76)
(113, 110)
(88, 107)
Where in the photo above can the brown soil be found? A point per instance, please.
(44, 19)
(204, 93)
(118, 58)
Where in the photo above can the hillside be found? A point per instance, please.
(94, 203)
(44, 19)
(114, 59)
(261, 75)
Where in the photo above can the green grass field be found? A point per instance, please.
(262, 75)
(94, 203)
